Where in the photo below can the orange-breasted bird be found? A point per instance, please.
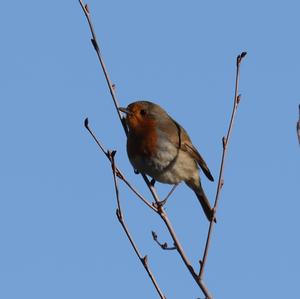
(160, 147)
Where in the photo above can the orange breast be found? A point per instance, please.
(142, 137)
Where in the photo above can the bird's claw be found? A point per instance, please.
(160, 204)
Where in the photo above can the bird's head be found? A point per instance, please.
(142, 114)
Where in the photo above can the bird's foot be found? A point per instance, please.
(163, 202)
(159, 204)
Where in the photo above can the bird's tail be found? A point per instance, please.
(197, 188)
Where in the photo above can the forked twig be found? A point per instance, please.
(110, 85)
(158, 210)
(158, 205)
(225, 143)
(119, 213)
(164, 245)
(95, 43)
(118, 171)
(181, 251)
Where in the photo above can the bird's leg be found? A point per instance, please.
(164, 201)
(152, 182)
(136, 171)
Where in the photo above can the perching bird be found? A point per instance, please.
(159, 147)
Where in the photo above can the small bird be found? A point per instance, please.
(159, 147)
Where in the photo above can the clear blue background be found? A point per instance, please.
(58, 232)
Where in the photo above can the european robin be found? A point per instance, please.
(160, 147)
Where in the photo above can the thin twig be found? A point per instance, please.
(96, 46)
(152, 190)
(182, 253)
(118, 171)
(113, 165)
(119, 213)
(156, 206)
(164, 245)
(225, 141)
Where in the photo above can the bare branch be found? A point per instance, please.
(111, 86)
(163, 246)
(118, 171)
(152, 190)
(113, 166)
(157, 206)
(124, 226)
(182, 253)
(159, 210)
(225, 144)
(86, 124)
(96, 46)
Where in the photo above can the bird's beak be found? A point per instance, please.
(125, 110)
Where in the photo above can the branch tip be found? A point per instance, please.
(154, 235)
(243, 54)
(86, 123)
(240, 57)
(220, 180)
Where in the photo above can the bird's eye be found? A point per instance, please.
(143, 112)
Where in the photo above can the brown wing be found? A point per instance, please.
(195, 154)
(185, 143)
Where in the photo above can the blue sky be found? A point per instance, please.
(59, 234)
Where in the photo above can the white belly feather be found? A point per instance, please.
(169, 165)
